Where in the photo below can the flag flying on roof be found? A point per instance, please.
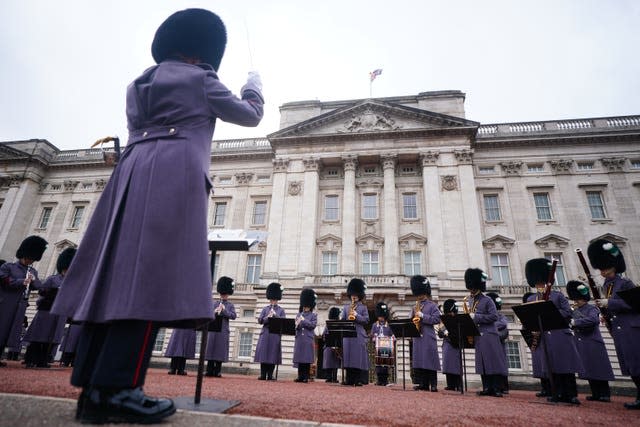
(375, 73)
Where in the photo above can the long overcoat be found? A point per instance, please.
(330, 359)
(591, 348)
(268, 349)
(218, 342)
(490, 357)
(625, 326)
(182, 344)
(145, 253)
(304, 345)
(354, 349)
(13, 304)
(46, 327)
(425, 347)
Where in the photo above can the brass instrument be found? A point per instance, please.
(271, 311)
(220, 308)
(417, 320)
(465, 307)
(352, 310)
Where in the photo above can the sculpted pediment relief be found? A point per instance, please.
(498, 241)
(551, 241)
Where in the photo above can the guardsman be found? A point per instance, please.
(268, 349)
(425, 315)
(355, 355)
(218, 342)
(306, 321)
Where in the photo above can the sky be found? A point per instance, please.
(65, 64)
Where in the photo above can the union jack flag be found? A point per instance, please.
(375, 73)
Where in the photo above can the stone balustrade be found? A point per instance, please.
(512, 129)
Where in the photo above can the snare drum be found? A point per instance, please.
(384, 351)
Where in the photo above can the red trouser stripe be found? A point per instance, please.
(143, 350)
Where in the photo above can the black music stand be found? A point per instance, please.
(631, 297)
(404, 328)
(281, 326)
(460, 327)
(338, 330)
(541, 316)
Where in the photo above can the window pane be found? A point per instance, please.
(331, 210)
(370, 262)
(513, 355)
(159, 344)
(491, 207)
(369, 206)
(44, 217)
(221, 210)
(500, 269)
(215, 268)
(543, 208)
(77, 216)
(596, 206)
(259, 213)
(560, 280)
(253, 268)
(409, 204)
(329, 263)
(245, 344)
(412, 263)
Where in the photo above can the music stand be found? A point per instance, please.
(631, 297)
(281, 326)
(404, 328)
(541, 316)
(338, 330)
(460, 327)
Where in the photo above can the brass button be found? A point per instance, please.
(145, 134)
(172, 130)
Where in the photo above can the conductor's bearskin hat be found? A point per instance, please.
(605, 254)
(420, 285)
(192, 33)
(274, 291)
(308, 298)
(225, 285)
(475, 278)
(356, 287)
(32, 247)
(537, 271)
(382, 310)
(577, 290)
(64, 259)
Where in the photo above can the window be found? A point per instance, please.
(159, 344)
(253, 268)
(370, 206)
(247, 312)
(76, 219)
(500, 269)
(409, 206)
(513, 355)
(491, 207)
(407, 170)
(329, 263)
(332, 172)
(370, 262)
(263, 178)
(412, 263)
(370, 170)
(635, 164)
(585, 166)
(560, 279)
(224, 180)
(219, 213)
(538, 167)
(486, 170)
(245, 344)
(596, 205)
(331, 209)
(259, 213)
(45, 216)
(543, 206)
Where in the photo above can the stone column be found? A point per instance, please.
(349, 216)
(276, 216)
(306, 257)
(390, 229)
(436, 264)
(470, 209)
(18, 207)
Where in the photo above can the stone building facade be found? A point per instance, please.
(379, 189)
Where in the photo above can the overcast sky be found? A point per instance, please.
(66, 64)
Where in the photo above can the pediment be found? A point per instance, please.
(614, 238)
(498, 241)
(328, 237)
(369, 237)
(373, 117)
(551, 241)
(64, 244)
(8, 153)
(412, 241)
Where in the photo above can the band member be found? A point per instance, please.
(218, 342)
(451, 354)
(16, 280)
(355, 355)
(607, 257)
(381, 329)
(146, 242)
(537, 365)
(425, 315)
(560, 343)
(490, 361)
(46, 329)
(268, 349)
(585, 322)
(331, 355)
(306, 321)
(502, 324)
(182, 346)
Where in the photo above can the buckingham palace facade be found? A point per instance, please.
(379, 189)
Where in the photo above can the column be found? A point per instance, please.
(306, 257)
(470, 210)
(349, 216)
(276, 216)
(390, 229)
(433, 214)
(20, 203)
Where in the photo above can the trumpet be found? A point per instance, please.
(352, 310)
(416, 318)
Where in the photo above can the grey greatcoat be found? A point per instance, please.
(182, 344)
(354, 350)
(46, 327)
(490, 357)
(304, 346)
(218, 342)
(268, 349)
(625, 326)
(145, 253)
(13, 304)
(425, 347)
(591, 348)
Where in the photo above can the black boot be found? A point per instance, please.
(217, 369)
(432, 377)
(270, 368)
(181, 365)
(172, 366)
(636, 404)
(101, 406)
(210, 368)
(263, 372)
(545, 388)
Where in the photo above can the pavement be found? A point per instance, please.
(23, 410)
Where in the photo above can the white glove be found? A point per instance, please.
(473, 315)
(420, 314)
(572, 323)
(255, 80)
(602, 302)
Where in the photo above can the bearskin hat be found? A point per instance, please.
(32, 247)
(2, 261)
(496, 299)
(526, 296)
(194, 33)
(334, 313)
(449, 306)
(64, 259)
(356, 287)
(537, 271)
(308, 298)
(577, 290)
(475, 278)
(605, 254)
(274, 291)
(382, 310)
(420, 285)
(225, 285)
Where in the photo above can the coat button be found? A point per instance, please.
(145, 134)
(172, 130)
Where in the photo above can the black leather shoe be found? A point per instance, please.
(554, 399)
(497, 394)
(543, 393)
(484, 393)
(592, 398)
(633, 405)
(301, 380)
(171, 372)
(181, 373)
(449, 388)
(125, 406)
(261, 378)
(571, 400)
(434, 389)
